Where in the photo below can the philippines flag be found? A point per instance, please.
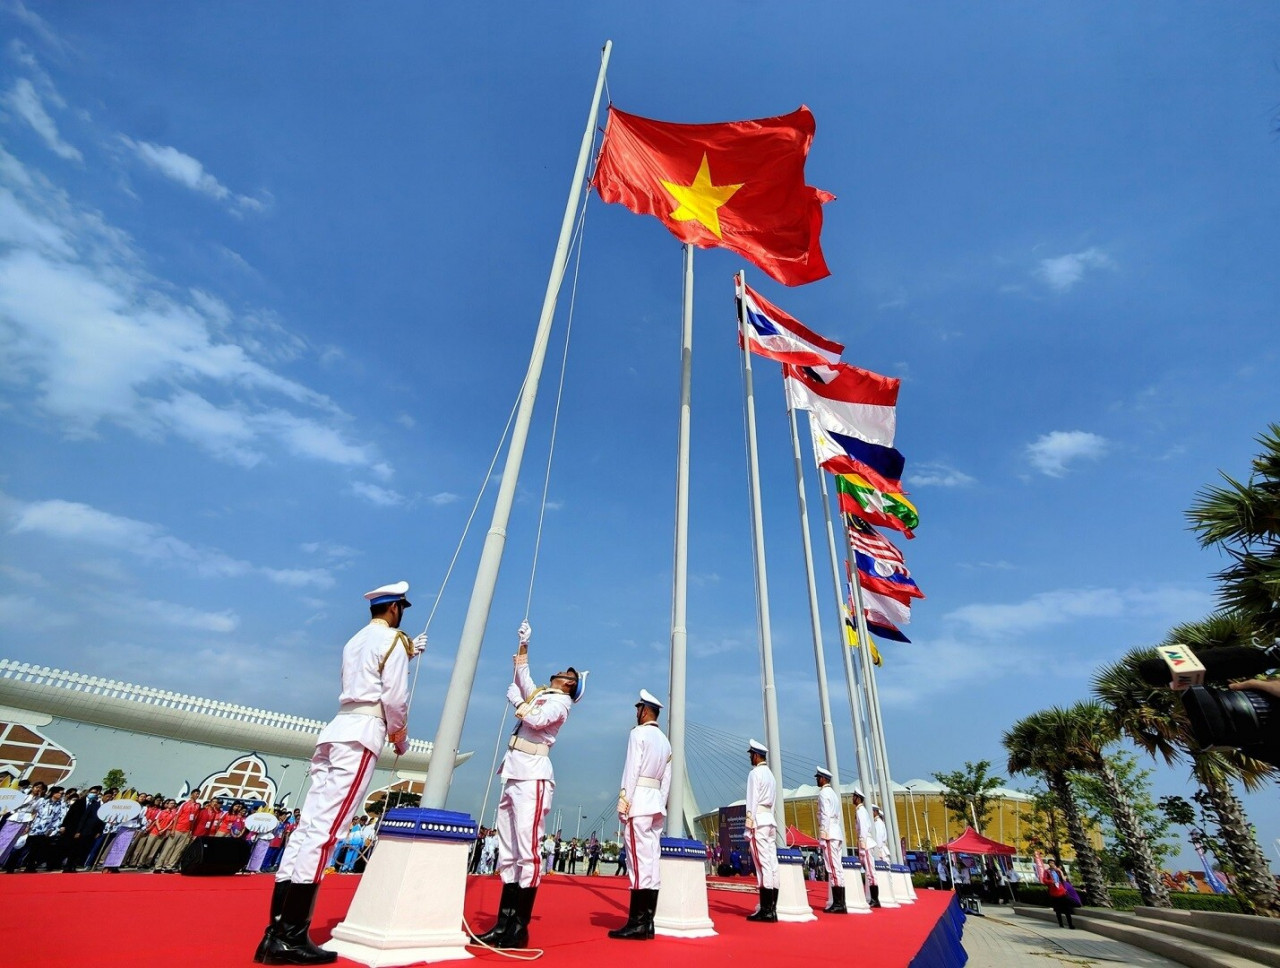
(847, 400)
(838, 453)
(773, 334)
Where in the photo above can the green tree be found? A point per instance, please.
(1116, 856)
(1243, 520)
(1035, 749)
(968, 793)
(1045, 827)
(115, 778)
(1153, 717)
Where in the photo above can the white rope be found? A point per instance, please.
(518, 954)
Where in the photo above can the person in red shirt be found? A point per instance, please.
(226, 823)
(183, 829)
(206, 818)
(160, 829)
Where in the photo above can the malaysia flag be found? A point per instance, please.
(773, 334)
(870, 542)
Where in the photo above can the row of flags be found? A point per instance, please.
(740, 185)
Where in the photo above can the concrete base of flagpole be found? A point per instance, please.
(903, 889)
(884, 880)
(408, 907)
(855, 891)
(682, 899)
(793, 899)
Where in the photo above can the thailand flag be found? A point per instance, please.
(773, 334)
(847, 400)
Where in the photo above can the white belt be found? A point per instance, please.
(372, 709)
(524, 746)
(648, 781)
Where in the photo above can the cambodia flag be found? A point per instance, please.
(737, 185)
(847, 400)
(773, 334)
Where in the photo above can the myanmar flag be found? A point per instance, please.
(890, 510)
(738, 185)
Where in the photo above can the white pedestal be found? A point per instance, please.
(682, 899)
(903, 890)
(408, 907)
(793, 899)
(855, 891)
(884, 881)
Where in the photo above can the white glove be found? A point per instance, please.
(514, 695)
(525, 633)
(401, 747)
(420, 644)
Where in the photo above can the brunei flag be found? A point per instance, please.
(851, 638)
(859, 498)
(737, 185)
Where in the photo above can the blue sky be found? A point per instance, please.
(269, 278)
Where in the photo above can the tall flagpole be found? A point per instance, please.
(680, 571)
(452, 716)
(815, 622)
(874, 723)
(851, 680)
(773, 736)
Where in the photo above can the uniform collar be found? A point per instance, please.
(380, 621)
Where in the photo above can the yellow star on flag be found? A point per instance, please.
(701, 201)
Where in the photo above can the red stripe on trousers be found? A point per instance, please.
(755, 859)
(356, 785)
(633, 868)
(534, 838)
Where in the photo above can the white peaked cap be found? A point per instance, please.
(757, 747)
(856, 792)
(822, 771)
(648, 699)
(388, 593)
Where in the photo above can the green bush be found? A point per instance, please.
(1126, 899)
(1036, 895)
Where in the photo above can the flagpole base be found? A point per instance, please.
(855, 891)
(884, 880)
(903, 890)
(793, 899)
(408, 907)
(682, 900)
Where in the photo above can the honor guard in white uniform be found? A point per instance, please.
(372, 707)
(762, 831)
(642, 811)
(528, 783)
(866, 845)
(831, 837)
(882, 833)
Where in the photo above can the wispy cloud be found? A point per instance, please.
(1051, 453)
(939, 475)
(180, 167)
(443, 498)
(1063, 272)
(381, 496)
(1048, 609)
(24, 101)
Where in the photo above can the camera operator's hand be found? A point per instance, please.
(1270, 686)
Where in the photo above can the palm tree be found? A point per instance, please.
(1154, 719)
(1085, 730)
(1035, 748)
(1244, 521)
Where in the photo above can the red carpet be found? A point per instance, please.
(103, 920)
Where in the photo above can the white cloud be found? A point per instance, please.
(939, 475)
(443, 498)
(24, 101)
(381, 496)
(1063, 272)
(1051, 453)
(187, 171)
(1049, 609)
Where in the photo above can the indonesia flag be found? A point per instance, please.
(773, 334)
(847, 400)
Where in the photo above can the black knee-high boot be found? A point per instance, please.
(759, 913)
(277, 911)
(628, 930)
(875, 895)
(290, 943)
(837, 902)
(506, 911)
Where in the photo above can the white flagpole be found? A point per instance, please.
(846, 653)
(815, 622)
(773, 736)
(678, 823)
(454, 713)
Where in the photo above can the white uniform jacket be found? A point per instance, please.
(541, 713)
(648, 755)
(830, 823)
(761, 793)
(866, 832)
(375, 665)
(882, 839)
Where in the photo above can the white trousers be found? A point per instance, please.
(832, 856)
(340, 775)
(644, 851)
(522, 814)
(868, 865)
(764, 852)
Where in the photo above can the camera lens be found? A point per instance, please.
(1227, 718)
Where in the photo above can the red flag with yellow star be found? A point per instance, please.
(738, 185)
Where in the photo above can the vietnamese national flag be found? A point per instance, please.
(738, 185)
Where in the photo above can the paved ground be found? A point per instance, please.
(1005, 940)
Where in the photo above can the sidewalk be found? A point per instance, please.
(1003, 939)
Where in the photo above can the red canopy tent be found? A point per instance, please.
(972, 842)
(798, 838)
